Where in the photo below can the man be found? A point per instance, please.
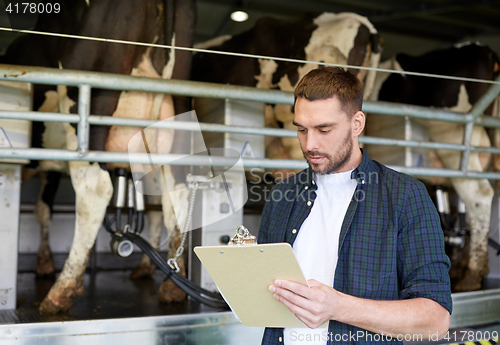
(367, 238)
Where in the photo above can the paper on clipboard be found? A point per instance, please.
(243, 274)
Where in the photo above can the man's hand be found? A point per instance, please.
(320, 303)
(312, 305)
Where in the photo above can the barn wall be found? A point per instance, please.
(395, 43)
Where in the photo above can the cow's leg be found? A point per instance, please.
(93, 190)
(477, 196)
(44, 260)
(43, 214)
(146, 267)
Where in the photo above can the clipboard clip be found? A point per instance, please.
(242, 237)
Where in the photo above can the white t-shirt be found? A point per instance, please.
(317, 242)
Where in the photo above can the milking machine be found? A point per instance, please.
(125, 192)
(455, 230)
(125, 236)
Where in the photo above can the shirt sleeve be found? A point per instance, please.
(422, 262)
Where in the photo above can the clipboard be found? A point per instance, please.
(243, 274)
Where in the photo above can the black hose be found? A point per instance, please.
(118, 219)
(107, 224)
(491, 242)
(494, 244)
(209, 298)
(143, 244)
(130, 217)
(140, 221)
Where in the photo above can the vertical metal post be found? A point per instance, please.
(83, 124)
(495, 213)
(477, 110)
(408, 150)
(467, 138)
(10, 195)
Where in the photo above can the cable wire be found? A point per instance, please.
(254, 56)
(209, 298)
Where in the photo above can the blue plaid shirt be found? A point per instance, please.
(391, 245)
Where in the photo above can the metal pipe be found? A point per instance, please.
(121, 191)
(83, 123)
(488, 121)
(485, 121)
(130, 193)
(410, 143)
(208, 127)
(464, 162)
(130, 122)
(415, 111)
(478, 108)
(155, 159)
(180, 159)
(38, 116)
(485, 100)
(190, 126)
(461, 206)
(425, 145)
(446, 173)
(53, 76)
(139, 196)
(440, 199)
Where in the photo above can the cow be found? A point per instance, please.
(153, 21)
(343, 38)
(467, 60)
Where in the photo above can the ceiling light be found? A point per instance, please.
(239, 16)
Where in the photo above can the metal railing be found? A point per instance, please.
(85, 81)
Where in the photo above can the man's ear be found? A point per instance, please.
(358, 123)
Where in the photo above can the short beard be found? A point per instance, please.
(334, 165)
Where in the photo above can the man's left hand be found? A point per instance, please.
(312, 305)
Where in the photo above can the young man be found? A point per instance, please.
(367, 238)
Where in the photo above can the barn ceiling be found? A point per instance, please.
(411, 26)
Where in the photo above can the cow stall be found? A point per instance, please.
(116, 310)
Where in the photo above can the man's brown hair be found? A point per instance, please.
(326, 82)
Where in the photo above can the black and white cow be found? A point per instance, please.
(152, 21)
(471, 61)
